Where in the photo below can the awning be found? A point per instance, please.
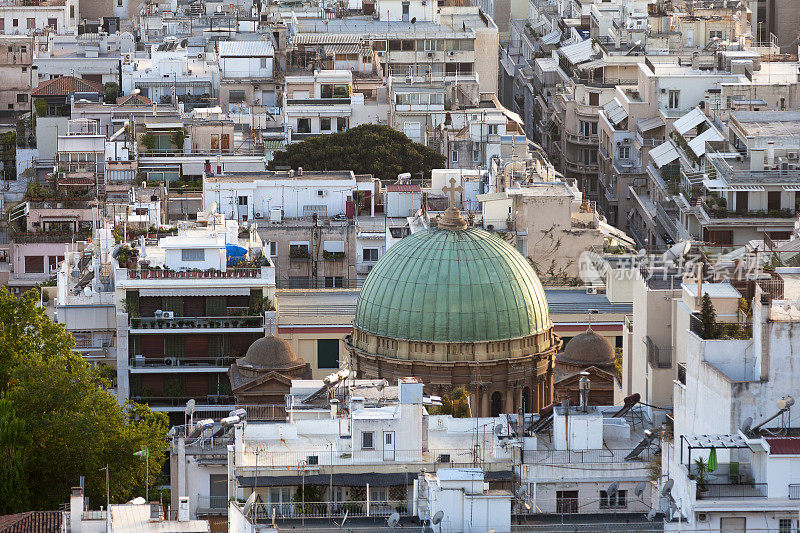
(663, 154)
(748, 188)
(578, 52)
(163, 125)
(197, 291)
(698, 144)
(791, 188)
(343, 48)
(353, 480)
(648, 124)
(615, 112)
(690, 120)
(552, 38)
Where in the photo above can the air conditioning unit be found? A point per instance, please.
(168, 315)
(259, 214)
(591, 290)
(159, 314)
(619, 143)
(430, 54)
(444, 458)
(380, 54)
(702, 517)
(138, 360)
(322, 192)
(171, 361)
(791, 155)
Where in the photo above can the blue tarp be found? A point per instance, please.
(236, 254)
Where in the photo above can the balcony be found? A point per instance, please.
(263, 512)
(581, 168)
(658, 357)
(184, 363)
(584, 140)
(566, 457)
(717, 491)
(212, 504)
(180, 401)
(682, 373)
(626, 166)
(318, 101)
(794, 491)
(231, 273)
(191, 324)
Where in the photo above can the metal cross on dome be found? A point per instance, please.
(452, 190)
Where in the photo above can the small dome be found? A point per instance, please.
(269, 353)
(588, 349)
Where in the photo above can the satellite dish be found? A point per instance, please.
(497, 429)
(672, 509)
(667, 487)
(746, 425)
(87, 291)
(639, 490)
(612, 489)
(190, 407)
(677, 251)
(651, 515)
(248, 505)
(393, 520)
(437, 517)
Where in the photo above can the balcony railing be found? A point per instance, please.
(729, 490)
(317, 101)
(212, 504)
(658, 357)
(794, 491)
(447, 458)
(563, 457)
(583, 168)
(194, 274)
(590, 140)
(262, 512)
(181, 362)
(198, 322)
(682, 373)
(180, 401)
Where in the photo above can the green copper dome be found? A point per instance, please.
(440, 285)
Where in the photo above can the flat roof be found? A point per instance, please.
(768, 123)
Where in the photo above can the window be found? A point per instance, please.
(327, 353)
(594, 98)
(15, 23)
(619, 500)
(334, 282)
(370, 254)
(236, 97)
(712, 34)
(303, 125)
(454, 156)
(263, 62)
(53, 262)
(785, 525)
(430, 45)
(188, 254)
(494, 129)
(342, 124)
(298, 251)
(325, 124)
(32, 23)
(34, 264)
(72, 12)
(243, 200)
(476, 156)
(624, 152)
(673, 101)
(367, 440)
(273, 248)
(566, 501)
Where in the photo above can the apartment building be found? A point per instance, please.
(18, 17)
(16, 74)
(93, 55)
(731, 397)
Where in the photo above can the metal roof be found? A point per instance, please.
(698, 144)
(578, 52)
(690, 120)
(246, 49)
(664, 154)
(551, 38)
(615, 112)
(342, 48)
(325, 38)
(648, 124)
(783, 445)
(403, 187)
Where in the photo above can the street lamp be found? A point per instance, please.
(144, 452)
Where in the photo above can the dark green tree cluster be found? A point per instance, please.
(58, 420)
(367, 149)
(455, 404)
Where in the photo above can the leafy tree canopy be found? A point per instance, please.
(58, 421)
(367, 149)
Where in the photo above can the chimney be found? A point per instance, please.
(770, 162)
(76, 509)
(756, 159)
(334, 408)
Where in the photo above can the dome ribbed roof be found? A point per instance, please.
(440, 285)
(588, 348)
(269, 353)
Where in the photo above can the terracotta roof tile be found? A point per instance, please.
(134, 99)
(32, 522)
(65, 85)
(401, 187)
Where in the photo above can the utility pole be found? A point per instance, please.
(108, 489)
(144, 452)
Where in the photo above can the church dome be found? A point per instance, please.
(446, 285)
(269, 353)
(587, 349)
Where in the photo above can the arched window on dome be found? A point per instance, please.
(497, 404)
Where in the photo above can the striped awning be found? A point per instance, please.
(747, 188)
(791, 188)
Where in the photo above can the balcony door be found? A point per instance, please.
(732, 525)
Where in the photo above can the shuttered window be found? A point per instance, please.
(328, 353)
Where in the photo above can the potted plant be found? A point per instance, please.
(700, 477)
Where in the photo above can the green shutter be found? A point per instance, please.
(328, 353)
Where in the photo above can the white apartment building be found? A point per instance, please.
(26, 18)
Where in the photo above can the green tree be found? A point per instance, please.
(13, 439)
(367, 149)
(73, 425)
(455, 404)
(111, 92)
(708, 317)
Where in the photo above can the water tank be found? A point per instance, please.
(275, 215)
